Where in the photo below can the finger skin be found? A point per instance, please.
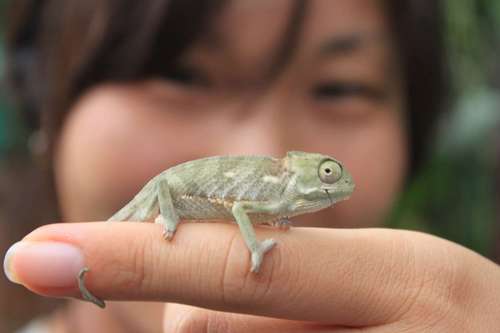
(342, 277)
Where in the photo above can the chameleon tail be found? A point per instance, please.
(86, 294)
(144, 206)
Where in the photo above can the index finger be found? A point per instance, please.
(331, 276)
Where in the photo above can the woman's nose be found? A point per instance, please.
(261, 129)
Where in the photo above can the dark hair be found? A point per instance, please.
(419, 30)
(57, 50)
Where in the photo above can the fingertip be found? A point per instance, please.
(44, 265)
(8, 266)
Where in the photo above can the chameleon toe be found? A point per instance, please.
(168, 234)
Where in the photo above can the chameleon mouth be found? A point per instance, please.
(329, 197)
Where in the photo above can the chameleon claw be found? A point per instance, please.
(258, 255)
(168, 234)
(86, 294)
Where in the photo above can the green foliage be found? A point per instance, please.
(454, 196)
(454, 199)
(12, 133)
(473, 40)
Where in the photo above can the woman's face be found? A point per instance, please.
(337, 93)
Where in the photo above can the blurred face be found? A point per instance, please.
(337, 92)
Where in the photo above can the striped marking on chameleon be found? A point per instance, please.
(229, 174)
(236, 181)
(218, 201)
(248, 190)
(234, 185)
(215, 186)
(218, 188)
(271, 179)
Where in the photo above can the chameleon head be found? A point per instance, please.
(321, 180)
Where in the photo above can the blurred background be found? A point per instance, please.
(456, 194)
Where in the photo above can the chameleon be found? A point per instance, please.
(245, 189)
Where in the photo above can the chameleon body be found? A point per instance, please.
(245, 189)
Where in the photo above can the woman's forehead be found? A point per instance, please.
(250, 33)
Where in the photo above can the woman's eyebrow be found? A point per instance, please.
(342, 44)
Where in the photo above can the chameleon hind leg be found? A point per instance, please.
(168, 217)
(257, 249)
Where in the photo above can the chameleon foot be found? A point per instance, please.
(86, 294)
(168, 233)
(283, 224)
(258, 255)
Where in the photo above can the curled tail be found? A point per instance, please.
(142, 207)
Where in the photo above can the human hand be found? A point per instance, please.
(314, 280)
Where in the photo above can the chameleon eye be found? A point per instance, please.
(329, 171)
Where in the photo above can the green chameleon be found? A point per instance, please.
(246, 189)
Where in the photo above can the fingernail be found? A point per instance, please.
(7, 263)
(43, 264)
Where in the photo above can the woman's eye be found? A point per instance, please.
(186, 75)
(346, 90)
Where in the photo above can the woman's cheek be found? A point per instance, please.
(112, 142)
(374, 150)
(378, 165)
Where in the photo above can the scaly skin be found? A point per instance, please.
(246, 189)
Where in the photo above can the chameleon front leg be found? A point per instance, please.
(257, 249)
(168, 217)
